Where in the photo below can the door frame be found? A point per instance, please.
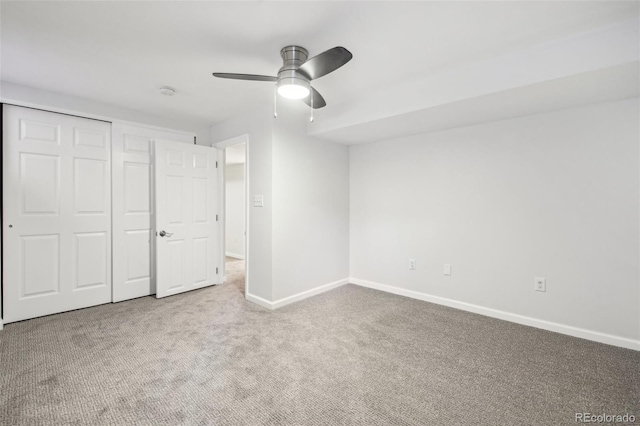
(222, 145)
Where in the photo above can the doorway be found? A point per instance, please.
(235, 222)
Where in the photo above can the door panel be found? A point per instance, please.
(34, 131)
(133, 234)
(57, 213)
(174, 191)
(176, 275)
(137, 187)
(186, 203)
(200, 257)
(91, 259)
(39, 183)
(89, 138)
(132, 243)
(40, 263)
(91, 187)
(200, 190)
(138, 256)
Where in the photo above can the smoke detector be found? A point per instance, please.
(167, 91)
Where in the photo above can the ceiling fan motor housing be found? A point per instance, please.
(292, 58)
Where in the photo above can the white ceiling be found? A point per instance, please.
(604, 85)
(121, 53)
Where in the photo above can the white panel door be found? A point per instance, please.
(186, 209)
(133, 233)
(132, 238)
(56, 213)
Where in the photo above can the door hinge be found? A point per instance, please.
(216, 271)
(216, 164)
(194, 140)
(216, 218)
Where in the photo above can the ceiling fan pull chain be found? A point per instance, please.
(311, 118)
(275, 102)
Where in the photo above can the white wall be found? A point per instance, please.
(553, 195)
(258, 126)
(234, 210)
(310, 206)
(58, 102)
(299, 240)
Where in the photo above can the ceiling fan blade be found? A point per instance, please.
(253, 77)
(318, 100)
(325, 63)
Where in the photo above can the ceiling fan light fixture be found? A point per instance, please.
(293, 88)
(297, 71)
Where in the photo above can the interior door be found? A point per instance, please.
(56, 213)
(132, 211)
(133, 208)
(185, 217)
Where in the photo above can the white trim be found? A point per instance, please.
(166, 130)
(305, 294)
(244, 138)
(224, 279)
(232, 141)
(220, 213)
(247, 212)
(296, 297)
(507, 316)
(91, 116)
(259, 301)
(1, 325)
(234, 255)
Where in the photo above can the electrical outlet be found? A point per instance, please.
(540, 284)
(446, 269)
(412, 264)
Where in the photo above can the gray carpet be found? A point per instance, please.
(351, 356)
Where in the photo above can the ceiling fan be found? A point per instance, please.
(297, 72)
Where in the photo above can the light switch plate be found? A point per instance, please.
(446, 269)
(258, 201)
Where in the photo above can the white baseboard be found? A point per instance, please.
(234, 255)
(259, 301)
(317, 290)
(296, 297)
(1, 325)
(507, 316)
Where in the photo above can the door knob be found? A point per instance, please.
(165, 233)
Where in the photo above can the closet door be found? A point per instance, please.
(133, 233)
(132, 268)
(56, 213)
